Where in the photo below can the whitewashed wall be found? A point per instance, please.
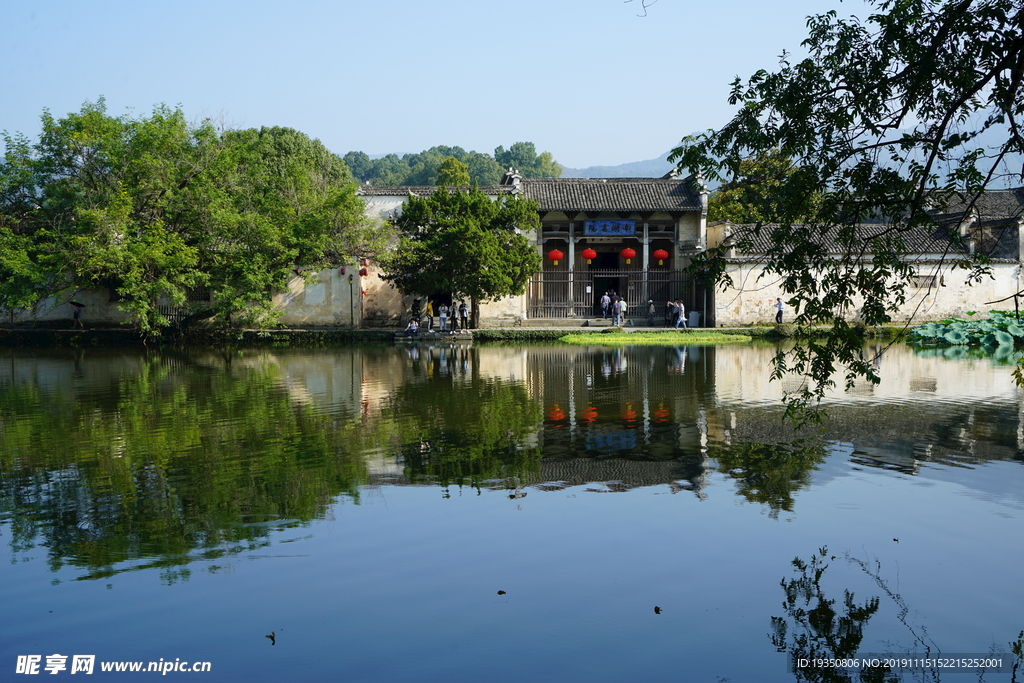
(751, 299)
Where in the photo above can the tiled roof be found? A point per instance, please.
(581, 194)
(612, 194)
(424, 190)
(918, 240)
(993, 204)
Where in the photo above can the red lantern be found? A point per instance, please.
(555, 256)
(556, 414)
(590, 414)
(363, 272)
(661, 255)
(588, 254)
(628, 254)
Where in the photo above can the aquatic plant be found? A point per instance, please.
(1000, 329)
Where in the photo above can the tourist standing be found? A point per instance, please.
(430, 315)
(443, 312)
(778, 311)
(464, 315)
(651, 310)
(77, 313)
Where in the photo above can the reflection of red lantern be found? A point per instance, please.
(556, 413)
(588, 254)
(555, 256)
(661, 413)
(590, 414)
(629, 415)
(628, 254)
(661, 255)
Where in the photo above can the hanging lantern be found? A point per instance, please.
(588, 254)
(364, 272)
(661, 255)
(628, 254)
(555, 256)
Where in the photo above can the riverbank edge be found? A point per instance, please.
(319, 337)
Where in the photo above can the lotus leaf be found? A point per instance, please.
(1015, 329)
(1004, 338)
(956, 337)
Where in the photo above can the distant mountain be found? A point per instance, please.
(652, 168)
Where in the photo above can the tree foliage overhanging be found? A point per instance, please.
(423, 168)
(464, 243)
(154, 207)
(880, 121)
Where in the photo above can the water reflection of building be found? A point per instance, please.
(655, 413)
(622, 417)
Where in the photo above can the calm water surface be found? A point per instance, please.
(367, 506)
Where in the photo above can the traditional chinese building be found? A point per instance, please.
(631, 236)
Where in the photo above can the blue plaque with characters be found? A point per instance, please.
(609, 228)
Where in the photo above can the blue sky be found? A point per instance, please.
(587, 80)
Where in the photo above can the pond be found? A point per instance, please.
(501, 513)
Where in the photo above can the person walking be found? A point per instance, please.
(617, 313)
(778, 311)
(681, 319)
(651, 310)
(77, 313)
(606, 302)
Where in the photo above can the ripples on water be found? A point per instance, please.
(368, 504)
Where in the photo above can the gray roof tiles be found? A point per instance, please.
(574, 195)
(612, 194)
(918, 240)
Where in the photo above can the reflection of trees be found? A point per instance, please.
(769, 473)
(466, 431)
(191, 458)
(181, 465)
(815, 627)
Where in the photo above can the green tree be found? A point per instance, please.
(423, 168)
(152, 207)
(452, 172)
(881, 121)
(755, 191)
(523, 157)
(464, 243)
(292, 203)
